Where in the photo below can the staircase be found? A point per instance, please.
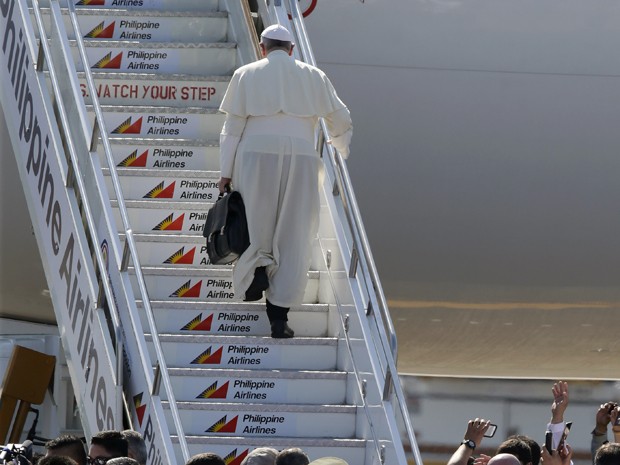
(160, 69)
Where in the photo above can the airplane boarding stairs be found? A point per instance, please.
(160, 69)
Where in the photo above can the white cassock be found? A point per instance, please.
(267, 147)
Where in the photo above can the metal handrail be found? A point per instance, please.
(130, 245)
(362, 247)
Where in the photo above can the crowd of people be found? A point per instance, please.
(556, 450)
(129, 448)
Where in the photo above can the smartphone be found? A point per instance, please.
(564, 435)
(549, 441)
(490, 432)
(617, 423)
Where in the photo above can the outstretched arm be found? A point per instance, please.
(474, 433)
(558, 407)
(599, 433)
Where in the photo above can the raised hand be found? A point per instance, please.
(603, 416)
(476, 429)
(560, 401)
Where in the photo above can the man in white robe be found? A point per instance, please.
(267, 150)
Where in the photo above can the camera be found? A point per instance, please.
(16, 454)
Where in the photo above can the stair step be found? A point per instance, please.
(266, 420)
(241, 352)
(212, 284)
(187, 317)
(190, 250)
(264, 386)
(146, 25)
(147, 89)
(209, 58)
(181, 185)
(171, 217)
(235, 449)
(145, 153)
(164, 5)
(161, 122)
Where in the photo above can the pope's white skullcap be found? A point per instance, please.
(277, 32)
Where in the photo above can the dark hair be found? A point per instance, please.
(293, 456)
(68, 445)
(56, 460)
(534, 447)
(274, 43)
(608, 454)
(517, 447)
(136, 445)
(206, 458)
(112, 441)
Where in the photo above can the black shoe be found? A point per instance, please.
(260, 283)
(281, 330)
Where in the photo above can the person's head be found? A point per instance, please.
(293, 456)
(136, 447)
(504, 459)
(329, 461)
(67, 445)
(206, 458)
(261, 456)
(106, 445)
(276, 37)
(122, 461)
(534, 447)
(517, 447)
(56, 460)
(608, 454)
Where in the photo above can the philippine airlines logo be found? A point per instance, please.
(170, 224)
(233, 459)
(107, 62)
(187, 290)
(207, 358)
(101, 31)
(181, 258)
(161, 191)
(198, 324)
(224, 426)
(140, 409)
(127, 127)
(135, 161)
(90, 3)
(213, 392)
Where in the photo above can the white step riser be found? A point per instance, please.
(208, 289)
(182, 157)
(121, 25)
(237, 323)
(171, 250)
(164, 125)
(138, 5)
(259, 390)
(188, 189)
(160, 58)
(145, 92)
(236, 453)
(272, 357)
(188, 220)
(267, 424)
